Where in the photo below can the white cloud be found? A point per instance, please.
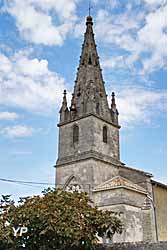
(117, 30)
(113, 3)
(135, 31)
(37, 25)
(114, 62)
(135, 36)
(139, 105)
(154, 39)
(64, 8)
(5, 65)
(155, 2)
(18, 131)
(79, 29)
(29, 84)
(31, 67)
(8, 116)
(155, 62)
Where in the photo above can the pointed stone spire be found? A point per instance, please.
(113, 104)
(89, 96)
(89, 92)
(64, 98)
(73, 107)
(64, 109)
(114, 111)
(64, 103)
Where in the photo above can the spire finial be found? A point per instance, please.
(90, 7)
(89, 20)
(64, 99)
(73, 107)
(113, 104)
(64, 103)
(114, 111)
(65, 92)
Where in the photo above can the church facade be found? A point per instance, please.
(89, 155)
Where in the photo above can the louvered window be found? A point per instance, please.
(75, 134)
(105, 134)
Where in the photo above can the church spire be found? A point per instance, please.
(89, 96)
(89, 91)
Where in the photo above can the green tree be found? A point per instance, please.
(56, 220)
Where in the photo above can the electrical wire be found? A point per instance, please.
(32, 183)
(27, 183)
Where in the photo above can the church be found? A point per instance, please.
(89, 155)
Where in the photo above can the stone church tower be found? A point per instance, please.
(89, 152)
(88, 130)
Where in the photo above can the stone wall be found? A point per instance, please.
(88, 171)
(134, 246)
(90, 138)
(160, 195)
(131, 216)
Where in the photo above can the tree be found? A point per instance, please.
(56, 220)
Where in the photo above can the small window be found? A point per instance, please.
(97, 108)
(105, 134)
(66, 115)
(90, 61)
(75, 134)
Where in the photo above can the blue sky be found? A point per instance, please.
(40, 45)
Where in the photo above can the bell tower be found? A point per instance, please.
(88, 150)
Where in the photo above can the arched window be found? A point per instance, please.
(105, 134)
(75, 134)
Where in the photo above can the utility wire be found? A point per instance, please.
(27, 182)
(32, 183)
(28, 185)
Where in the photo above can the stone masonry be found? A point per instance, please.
(134, 246)
(89, 154)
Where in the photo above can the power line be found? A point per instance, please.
(27, 182)
(33, 183)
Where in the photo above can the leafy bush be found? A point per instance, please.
(56, 220)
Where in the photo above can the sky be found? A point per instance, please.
(40, 45)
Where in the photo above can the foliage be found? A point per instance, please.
(56, 220)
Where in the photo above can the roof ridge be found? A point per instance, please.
(105, 185)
